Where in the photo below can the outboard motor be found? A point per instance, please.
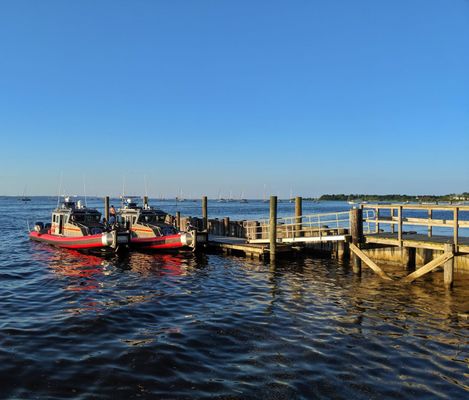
(115, 238)
(38, 226)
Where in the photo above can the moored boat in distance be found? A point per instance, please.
(150, 230)
(75, 226)
(24, 197)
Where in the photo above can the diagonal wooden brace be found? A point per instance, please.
(428, 267)
(369, 262)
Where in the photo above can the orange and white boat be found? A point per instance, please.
(150, 229)
(75, 226)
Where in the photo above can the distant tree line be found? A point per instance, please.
(395, 197)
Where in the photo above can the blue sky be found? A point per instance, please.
(316, 97)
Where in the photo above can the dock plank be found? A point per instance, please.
(417, 240)
(241, 244)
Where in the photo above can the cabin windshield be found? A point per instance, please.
(92, 218)
(148, 218)
(86, 218)
(168, 230)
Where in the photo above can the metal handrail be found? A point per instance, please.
(441, 207)
(305, 225)
(455, 222)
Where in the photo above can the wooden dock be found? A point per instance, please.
(235, 245)
(357, 234)
(415, 240)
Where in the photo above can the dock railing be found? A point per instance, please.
(392, 218)
(303, 228)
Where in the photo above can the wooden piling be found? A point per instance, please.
(456, 228)
(204, 213)
(178, 219)
(411, 254)
(356, 230)
(377, 219)
(106, 208)
(399, 225)
(448, 269)
(393, 227)
(273, 228)
(298, 214)
(340, 250)
(226, 226)
(430, 216)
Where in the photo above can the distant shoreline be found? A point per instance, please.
(325, 197)
(395, 197)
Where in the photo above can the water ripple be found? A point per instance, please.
(182, 326)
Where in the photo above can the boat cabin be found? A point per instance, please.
(145, 221)
(74, 219)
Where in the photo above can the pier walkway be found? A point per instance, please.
(419, 241)
(357, 233)
(234, 245)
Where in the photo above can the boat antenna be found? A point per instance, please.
(84, 190)
(60, 187)
(146, 186)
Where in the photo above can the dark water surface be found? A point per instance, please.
(207, 326)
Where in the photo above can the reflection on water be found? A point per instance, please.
(82, 270)
(74, 325)
(179, 325)
(87, 273)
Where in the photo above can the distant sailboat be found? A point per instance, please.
(24, 197)
(242, 199)
(192, 199)
(220, 199)
(180, 198)
(230, 199)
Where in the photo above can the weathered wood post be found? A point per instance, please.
(145, 201)
(449, 266)
(377, 220)
(393, 228)
(340, 249)
(106, 208)
(411, 254)
(456, 228)
(399, 225)
(226, 225)
(356, 230)
(204, 214)
(298, 214)
(273, 228)
(178, 219)
(430, 217)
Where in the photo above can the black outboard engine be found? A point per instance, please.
(38, 226)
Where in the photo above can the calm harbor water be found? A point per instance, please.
(176, 326)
